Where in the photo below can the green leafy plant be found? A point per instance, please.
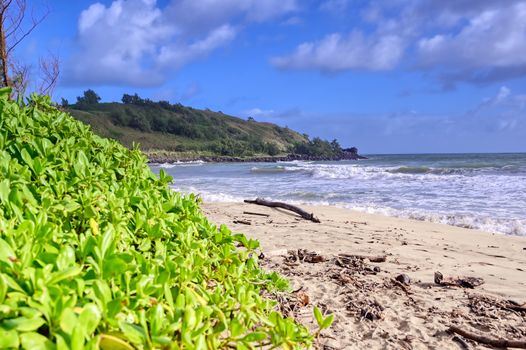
(323, 322)
(96, 252)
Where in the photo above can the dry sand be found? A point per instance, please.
(371, 310)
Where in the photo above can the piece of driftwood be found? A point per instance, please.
(258, 214)
(459, 339)
(293, 208)
(244, 222)
(498, 343)
(371, 258)
(465, 282)
(516, 308)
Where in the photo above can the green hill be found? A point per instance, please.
(185, 132)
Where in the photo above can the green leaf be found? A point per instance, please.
(9, 339)
(34, 341)
(7, 254)
(318, 316)
(23, 324)
(3, 288)
(107, 241)
(89, 318)
(71, 272)
(255, 337)
(110, 342)
(77, 337)
(66, 258)
(327, 322)
(4, 190)
(68, 320)
(133, 333)
(27, 158)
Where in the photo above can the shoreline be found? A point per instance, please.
(162, 159)
(416, 315)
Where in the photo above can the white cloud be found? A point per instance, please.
(117, 44)
(177, 56)
(504, 103)
(477, 41)
(258, 112)
(338, 52)
(135, 42)
(492, 38)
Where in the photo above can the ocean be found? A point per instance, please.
(480, 191)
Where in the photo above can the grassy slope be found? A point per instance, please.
(212, 128)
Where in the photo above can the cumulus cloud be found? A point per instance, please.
(476, 41)
(494, 38)
(176, 55)
(135, 42)
(337, 52)
(194, 16)
(116, 44)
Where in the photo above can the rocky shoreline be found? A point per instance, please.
(160, 159)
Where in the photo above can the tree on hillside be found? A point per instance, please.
(131, 99)
(90, 98)
(17, 21)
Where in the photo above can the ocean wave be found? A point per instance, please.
(179, 163)
(347, 171)
(268, 170)
(516, 227)
(508, 226)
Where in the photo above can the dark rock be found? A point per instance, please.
(226, 159)
(404, 279)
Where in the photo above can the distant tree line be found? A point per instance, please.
(209, 129)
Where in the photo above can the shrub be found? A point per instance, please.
(96, 252)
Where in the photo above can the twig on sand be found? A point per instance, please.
(498, 343)
(293, 208)
(253, 213)
(402, 286)
(244, 222)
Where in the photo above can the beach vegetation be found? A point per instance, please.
(97, 252)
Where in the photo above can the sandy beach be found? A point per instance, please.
(374, 310)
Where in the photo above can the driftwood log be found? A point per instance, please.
(293, 208)
(498, 343)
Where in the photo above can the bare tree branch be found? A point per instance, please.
(50, 69)
(15, 26)
(20, 81)
(19, 35)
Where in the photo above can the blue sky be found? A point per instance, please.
(387, 76)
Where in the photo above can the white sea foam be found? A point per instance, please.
(179, 163)
(487, 224)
